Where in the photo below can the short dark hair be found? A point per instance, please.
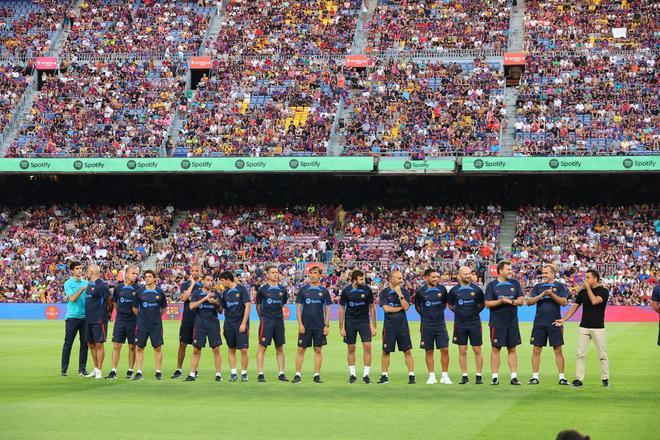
(74, 264)
(315, 269)
(207, 274)
(270, 266)
(150, 272)
(502, 264)
(227, 275)
(357, 273)
(429, 271)
(594, 273)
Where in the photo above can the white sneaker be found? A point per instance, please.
(431, 381)
(446, 381)
(92, 373)
(99, 375)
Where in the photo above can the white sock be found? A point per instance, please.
(534, 375)
(367, 370)
(233, 371)
(478, 374)
(114, 370)
(281, 372)
(316, 374)
(297, 373)
(496, 376)
(351, 370)
(465, 374)
(217, 373)
(261, 373)
(411, 373)
(514, 375)
(243, 371)
(431, 375)
(157, 371)
(139, 371)
(561, 376)
(192, 374)
(444, 374)
(385, 373)
(178, 369)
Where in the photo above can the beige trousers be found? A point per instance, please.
(585, 335)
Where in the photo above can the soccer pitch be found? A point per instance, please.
(36, 402)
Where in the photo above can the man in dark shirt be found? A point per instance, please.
(271, 298)
(313, 312)
(123, 296)
(503, 297)
(466, 300)
(97, 298)
(548, 296)
(593, 297)
(150, 304)
(395, 301)
(207, 303)
(236, 304)
(357, 315)
(430, 303)
(192, 284)
(655, 301)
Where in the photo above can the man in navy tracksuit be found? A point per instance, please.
(123, 296)
(271, 298)
(150, 304)
(97, 301)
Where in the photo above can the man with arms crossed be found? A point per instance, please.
(503, 297)
(150, 304)
(395, 301)
(236, 303)
(357, 315)
(466, 300)
(124, 330)
(548, 297)
(74, 289)
(192, 284)
(593, 297)
(430, 303)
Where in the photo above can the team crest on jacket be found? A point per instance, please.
(554, 289)
(320, 293)
(281, 294)
(157, 296)
(471, 293)
(362, 296)
(512, 289)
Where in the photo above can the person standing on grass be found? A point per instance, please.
(593, 297)
(74, 323)
(123, 296)
(655, 301)
(97, 303)
(236, 304)
(148, 308)
(192, 285)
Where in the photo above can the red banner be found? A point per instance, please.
(492, 270)
(46, 63)
(200, 62)
(357, 61)
(514, 58)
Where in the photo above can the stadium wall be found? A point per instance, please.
(174, 312)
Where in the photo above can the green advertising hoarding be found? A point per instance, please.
(572, 164)
(188, 165)
(405, 166)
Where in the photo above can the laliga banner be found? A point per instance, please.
(572, 164)
(188, 165)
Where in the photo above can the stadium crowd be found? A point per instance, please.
(621, 242)
(588, 104)
(422, 109)
(13, 83)
(27, 27)
(102, 109)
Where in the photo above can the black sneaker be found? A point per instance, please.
(479, 380)
(577, 383)
(129, 374)
(606, 383)
(218, 378)
(282, 378)
(317, 379)
(495, 381)
(367, 380)
(196, 374)
(296, 379)
(159, 375)
(563, 382)
(411, 380)
(464, 380)
(383, 379)
(63, 374)
(176, 375)
(515, 381)
(533, 381)
(82, 372)
(261, 378)
(111, 375)
(244, 377)
(138, 376)
(190, 378)
(233, 378)
(352, 379)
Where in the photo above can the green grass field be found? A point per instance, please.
(35, 402)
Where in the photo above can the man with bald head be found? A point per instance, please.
(466, 300)
(123, 296)
(395, 301)
(189, 287)
(97, 300)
